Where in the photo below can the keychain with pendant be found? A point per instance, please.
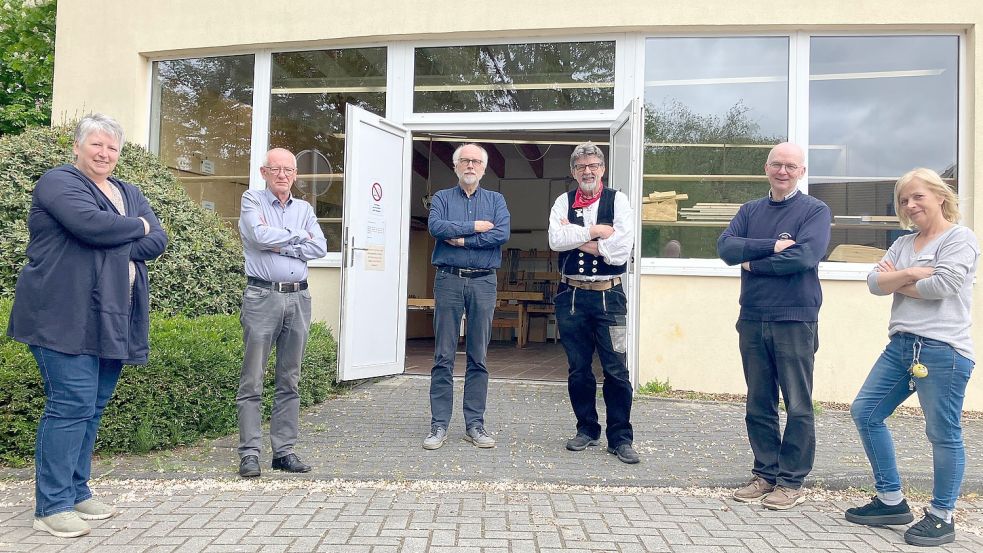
(917, 370)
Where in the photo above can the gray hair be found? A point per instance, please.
(586, 149)
(457, 153)
(97, 122)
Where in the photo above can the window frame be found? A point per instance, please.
(798, 132)
(629, 83)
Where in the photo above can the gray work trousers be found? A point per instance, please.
(268, 318)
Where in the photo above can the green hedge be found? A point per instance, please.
(201, 272)
(186, 391)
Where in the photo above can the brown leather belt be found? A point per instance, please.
(596, 285)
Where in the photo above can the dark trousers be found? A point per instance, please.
(597, 320)
(780, 355)
(455, 296)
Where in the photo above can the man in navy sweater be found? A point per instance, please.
(779, 242)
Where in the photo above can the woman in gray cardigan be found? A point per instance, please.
(930, 273)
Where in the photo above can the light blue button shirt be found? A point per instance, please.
(268, 226)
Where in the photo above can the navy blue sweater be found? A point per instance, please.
(73, 296)
(780, 286)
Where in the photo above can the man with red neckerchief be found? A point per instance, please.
(592, 228)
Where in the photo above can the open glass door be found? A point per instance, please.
(626, 176)
(372, 335)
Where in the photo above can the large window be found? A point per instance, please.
(307, 116)
(878, 107)
(867, 108)
(514, 77)
(713, 108)
(202, 127)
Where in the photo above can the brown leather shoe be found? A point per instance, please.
(756, 489)
(290, 463)
(782, 498)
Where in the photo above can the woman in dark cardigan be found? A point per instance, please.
(82, 305)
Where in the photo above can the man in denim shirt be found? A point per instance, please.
(470, 224)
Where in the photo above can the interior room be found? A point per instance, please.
(530, 169)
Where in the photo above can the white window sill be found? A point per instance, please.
(716, 267)
(332, 260)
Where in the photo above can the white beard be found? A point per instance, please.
(589, 188)
(469, 180)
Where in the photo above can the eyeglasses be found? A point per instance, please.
(580, 167)
(285, 170)
(777, 166)
(464, 162)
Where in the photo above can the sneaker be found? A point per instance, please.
(66, 524)
(930, 531)
(757, 488)
(876, 513)
(249, 466)
(477, 435)
(93, 509)
(625, 453)
(436, 438)
(580, 442)
(782, 498)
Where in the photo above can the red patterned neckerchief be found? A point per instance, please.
(580, 201)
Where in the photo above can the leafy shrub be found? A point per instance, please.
(187, 390)
(655, 387)
(200, 273)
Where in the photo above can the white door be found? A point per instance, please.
(372, 337)
(626, 175)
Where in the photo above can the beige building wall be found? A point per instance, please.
(324, 284)
(688, 336)
(687, 322)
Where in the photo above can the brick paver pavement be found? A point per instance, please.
(375, 489)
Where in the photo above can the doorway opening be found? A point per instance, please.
(530, 168)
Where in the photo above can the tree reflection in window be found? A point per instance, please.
(307, 116)
(714, 108)
(514, 77)
(204, 122)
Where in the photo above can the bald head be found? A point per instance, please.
(784, 168)
(281, 154)
(788, 150)
(279, 172)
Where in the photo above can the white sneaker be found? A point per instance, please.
(93, 509)
(477, 436)
(66, 524)
(436, 438)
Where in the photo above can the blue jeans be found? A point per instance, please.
(591, 320)
(780, 355)
(453, 297)
(941, 396)
(76, 391)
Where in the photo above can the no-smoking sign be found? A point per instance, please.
(376, 191)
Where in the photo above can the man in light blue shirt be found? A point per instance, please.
(470, 224)
(280, 234)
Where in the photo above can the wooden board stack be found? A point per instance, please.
(661, 206)
(710, 212)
